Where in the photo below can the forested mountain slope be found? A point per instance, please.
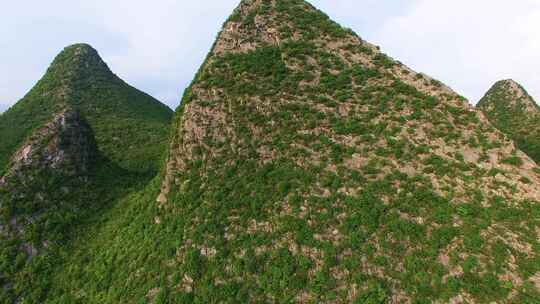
(513, 111)
(308, 167)
(79, 142)
(129, 125)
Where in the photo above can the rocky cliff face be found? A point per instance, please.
(65, 145)
(45, 170)
(130, 127)
(306, 166)
(512, 110)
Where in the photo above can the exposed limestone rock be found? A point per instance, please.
(59, 152)
(65, 145)
(375, 184)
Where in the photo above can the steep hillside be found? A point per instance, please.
(51, 165)
(43, 192)
(512, 110)
(130, 126)
(308, 167)
(78, 143)
(56, 187)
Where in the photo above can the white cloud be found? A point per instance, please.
(469, 44)
(166, 43)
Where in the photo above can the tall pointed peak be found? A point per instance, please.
(512, 110)
(80, 49)
(267, 31)
(511, 86)
(508, 96)
(78, 61)
(294, 126)
(79, 52)
(78, 65)
(508, 81)
(80, 78)
(261, 22)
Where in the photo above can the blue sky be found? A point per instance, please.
(157, 46)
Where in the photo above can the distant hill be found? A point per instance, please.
(129, 125)
(512, 110)
(80, 141)
(308, 167)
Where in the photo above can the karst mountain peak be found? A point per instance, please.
(76, 66)
(515, 97)
(79, 78)
(80, 56)
(256, 23)
(304, 147)
(303, 166)
(511, 109)
(80, 140)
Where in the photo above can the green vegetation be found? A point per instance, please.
(299, 190)
(513, 160)
(65, 217)
(43, 207)
(305, 168)
(513, 111)
(130, 127)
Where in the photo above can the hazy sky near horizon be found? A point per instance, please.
(157, 46)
